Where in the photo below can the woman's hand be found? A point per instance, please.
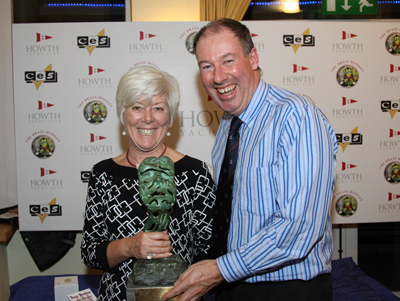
(158, 244)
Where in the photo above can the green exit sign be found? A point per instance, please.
(349, 7)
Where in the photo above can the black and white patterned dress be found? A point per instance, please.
(114, 210)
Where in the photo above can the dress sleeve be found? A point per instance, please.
(301, 189)
(205, 195)
(95, 239)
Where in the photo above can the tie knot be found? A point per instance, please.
(235, 124)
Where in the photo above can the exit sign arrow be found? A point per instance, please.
(346, 5)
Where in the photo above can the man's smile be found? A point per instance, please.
(227, 90)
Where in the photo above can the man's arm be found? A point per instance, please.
(197, 280)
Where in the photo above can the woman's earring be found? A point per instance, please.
(168, 134)
(123, 133)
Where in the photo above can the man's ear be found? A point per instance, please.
(254, 58)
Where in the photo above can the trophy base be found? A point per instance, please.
(148, 293)
(151, 279)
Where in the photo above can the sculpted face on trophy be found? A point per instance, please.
(157, 190)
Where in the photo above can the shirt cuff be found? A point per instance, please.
(232, 266)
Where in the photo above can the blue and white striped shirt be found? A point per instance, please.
(281, 225)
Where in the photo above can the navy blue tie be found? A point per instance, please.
(222, 214)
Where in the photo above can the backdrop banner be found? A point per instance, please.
(66, 76)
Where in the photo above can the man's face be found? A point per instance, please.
(229, 77)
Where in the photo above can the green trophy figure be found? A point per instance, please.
(157, 190)
(152, 278)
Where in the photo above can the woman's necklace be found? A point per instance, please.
(134, 165)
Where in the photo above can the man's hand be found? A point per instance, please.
(197, 280)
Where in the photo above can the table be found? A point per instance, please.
(350, 283)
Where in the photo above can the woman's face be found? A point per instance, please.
(147, 124)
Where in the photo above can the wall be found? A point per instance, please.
(161, 10)
(8, 177)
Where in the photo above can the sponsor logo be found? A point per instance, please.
(347, 203)
(347, 76)
(94, 81)
(85, 176)
(346, 166)
(93, 70)
(346, 174)
(42, 210)
(144, 35)
(393, 196)
(348, 35)
(347, 73)
(299, 80)
(391, 144)
(43, 146)
(147, 44)
(95, 112)
(96, 105)
(39, 77)
(41, 47)
(142, 63)
(389, 208)
(94, 138)
(393, 133)
(42, 184)
(45, 172)
(348, 177)
(394, 68)
(42, 143)
(189, 42)
(347, 112)
(90, 43)
(96, 148)
(352, 138)
(392, 172)
(298, 40)
(297, 68)
(42, 116)
(346, 46)
(44, 105)
(392, 43)
(42, 37)
(346, 101)
(188, 37)
(390, 106)
(392, 78)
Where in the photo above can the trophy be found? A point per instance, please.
(151, 279)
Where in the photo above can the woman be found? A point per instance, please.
(147, 101)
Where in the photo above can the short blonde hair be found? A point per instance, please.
(144, 82)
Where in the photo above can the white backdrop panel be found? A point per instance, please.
(66, 117)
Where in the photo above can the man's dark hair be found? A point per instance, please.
(239, 30)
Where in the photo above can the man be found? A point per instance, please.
(280, 236)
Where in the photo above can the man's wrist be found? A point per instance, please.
(228, 265)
